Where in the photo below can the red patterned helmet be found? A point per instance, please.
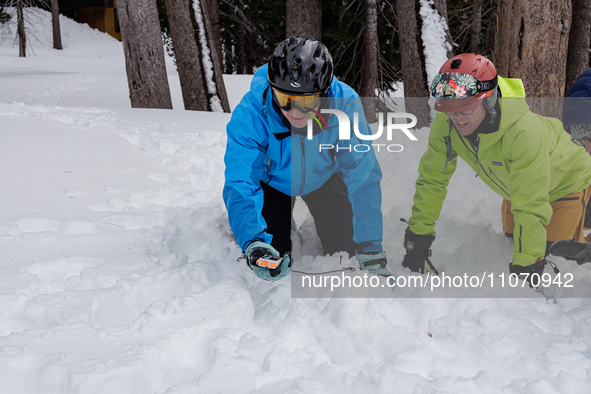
(463, 82)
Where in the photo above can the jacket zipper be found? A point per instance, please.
(498, 179)
(303, 181)
(499, 186)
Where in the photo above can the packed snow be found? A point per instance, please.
(118, 269)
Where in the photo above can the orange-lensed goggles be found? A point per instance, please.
(288, 101)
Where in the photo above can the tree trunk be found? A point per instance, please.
(531, 43)
(577, 60)
(216, 38)
(181, 19)
(144, 54)
(414, 73)
(217, 92)
(304, 17)
(476, 26)
(22, 37)
(370, 60)
(55, 21)
(200, 69)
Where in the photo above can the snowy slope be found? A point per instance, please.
(118, 269)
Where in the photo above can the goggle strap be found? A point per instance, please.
(484, 86)
(318, 93)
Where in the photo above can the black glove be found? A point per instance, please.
(530, 270)
(418, 253)
(572, 250)
(584, 256)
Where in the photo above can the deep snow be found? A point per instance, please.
(118, 269)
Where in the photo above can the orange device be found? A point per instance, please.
(269, 261)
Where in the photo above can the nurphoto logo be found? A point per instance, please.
(345, 130)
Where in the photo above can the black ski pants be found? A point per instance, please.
(330, 207)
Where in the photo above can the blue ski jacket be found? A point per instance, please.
(257, 150)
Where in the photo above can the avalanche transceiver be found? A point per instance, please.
(269, 261)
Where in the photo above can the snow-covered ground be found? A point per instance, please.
(118, 269)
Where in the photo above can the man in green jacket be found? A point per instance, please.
(526, 158)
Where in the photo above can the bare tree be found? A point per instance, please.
(472, 24)
(476, 26)
(199, 65)
(251, 31)
(144, 54)
(20, 22)
(55, 21)
(216, 39)
(577, 59)
(22, 9)
(414, 73)
(441, 7)
(370, 60)
(304, 17)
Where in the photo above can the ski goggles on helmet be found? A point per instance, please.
(287, 101)
(456, 85)
(580, 133)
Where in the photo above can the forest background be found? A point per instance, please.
(375, 44)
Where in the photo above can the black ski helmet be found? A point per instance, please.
(300, 65)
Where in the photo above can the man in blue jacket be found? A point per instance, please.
(275, 153)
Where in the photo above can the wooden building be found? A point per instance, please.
(99, 14)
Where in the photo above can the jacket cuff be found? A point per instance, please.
(524, 259)
(266, 238)
(374, 247)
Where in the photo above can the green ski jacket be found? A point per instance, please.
(530, 160)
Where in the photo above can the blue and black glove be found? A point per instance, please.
(417, 253)
(374, 263)
(258, 249)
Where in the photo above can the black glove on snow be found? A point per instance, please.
(418, 253)
(572, 250)
(536, 268)
(584, 256)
